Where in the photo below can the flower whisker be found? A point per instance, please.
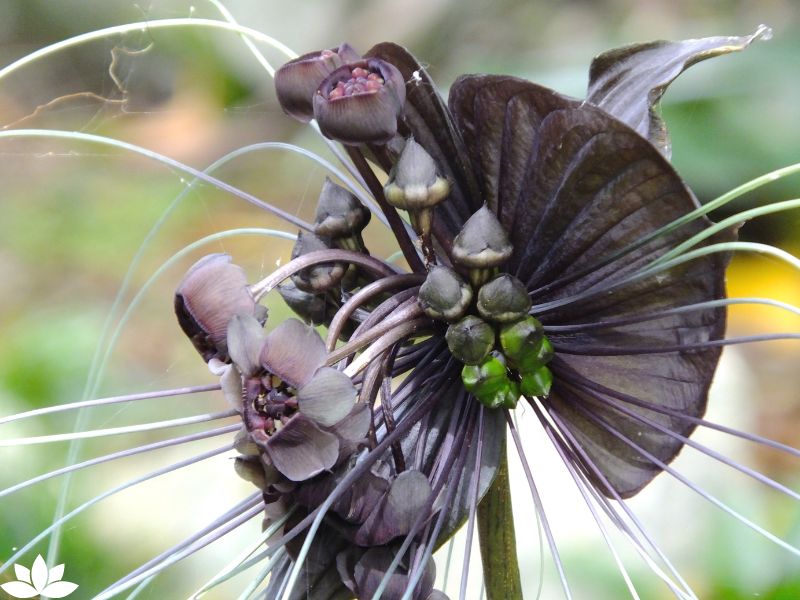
(606, 426)
(185, 439)
(196, 389)
(237, 516)
(95, 433)
(592, 471)
(128, 484)
(537, 501)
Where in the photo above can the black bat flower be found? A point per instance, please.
(555, 262)
(542, 234)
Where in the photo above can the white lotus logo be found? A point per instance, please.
(39, 581)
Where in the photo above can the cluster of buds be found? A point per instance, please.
(315, 293)
(503, 348)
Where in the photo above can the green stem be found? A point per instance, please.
(497, 540)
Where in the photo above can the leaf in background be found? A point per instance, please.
(628, 82)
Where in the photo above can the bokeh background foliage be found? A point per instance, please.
(74, 215)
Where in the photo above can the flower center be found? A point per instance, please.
(361, 81)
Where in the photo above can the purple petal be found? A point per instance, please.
(328, 397)
(293, 351)
(301, 450)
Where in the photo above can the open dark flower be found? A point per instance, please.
(360, 102)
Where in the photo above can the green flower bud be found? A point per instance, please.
(444, 295)
(470, 340)
(537, 383)
(521, 342)
(490, 384)
(503, 299)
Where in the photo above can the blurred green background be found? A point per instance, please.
(75, 214)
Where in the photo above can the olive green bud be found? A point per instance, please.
(521, 342)
(482, 245)
(415, 183)
(320, 277)
(482, 241)
(470, 340)
(537, 383)
(503, 299)
(444, 295)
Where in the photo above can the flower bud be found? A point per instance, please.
(298, 80)
(341, 216)
(212, 292)
(537, 383)
(360, 102)
(444, 295)
(415, 183)
(312, 308)
(482, 245)
(490, 384)
(320, 277)
(503, 299)
(522, 342)
(470, 340)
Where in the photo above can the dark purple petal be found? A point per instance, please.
(300, 449)
(628, 82)
(328, 397)
(293, 351)
(246, 338)
(298, 80)
(211, 293)
(407, 498)
(587, 186)
(370, 569)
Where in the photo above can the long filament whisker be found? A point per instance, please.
(121, 454)
(761, 478)
(128, 484)
(473, 508)
(593, 468)
(539, 507)
(639, 318)
(559, 365)
(694, 487)
(110, 400)
(633, 350)
(697, 213)
(562, 453)
(94, 433)
(231, 525)
(567, 452)
(648, 271)
(196, 173)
